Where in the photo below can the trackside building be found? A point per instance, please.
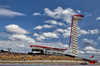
(46, 50)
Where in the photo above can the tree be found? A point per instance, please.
(9, 49)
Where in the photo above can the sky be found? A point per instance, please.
(47, 23)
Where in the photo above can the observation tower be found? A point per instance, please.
(75, 18)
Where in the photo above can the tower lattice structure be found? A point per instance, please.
(74, 33)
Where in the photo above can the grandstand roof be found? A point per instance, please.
(47, 47)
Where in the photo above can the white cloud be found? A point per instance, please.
(34, 14)
(65, 46)
(60, 13)
(78, 11)
(15, 29)
(44, 26)
(21, 45)
(98, 18)
(18, 34)
(89, 48)
(65, 32)
(64, 14)
(47, 35)
(16, 46)
(35, 34)
(82, 32)
(4, 35)
(89, 42)
(50, 35)
(40, 38)
(61, 30)
(93, 52)
(86, 14)
(38, 27)
(4, 6)
(22, 38)
(53, 22)
(9, 13)
(47, 26)
(98, 38)
(80, 52)
(95, 31)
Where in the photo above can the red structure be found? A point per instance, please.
(47, 47)
(92, 62)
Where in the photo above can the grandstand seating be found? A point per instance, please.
(10, 56)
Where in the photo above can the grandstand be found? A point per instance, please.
(11, 56)
(46, 50)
